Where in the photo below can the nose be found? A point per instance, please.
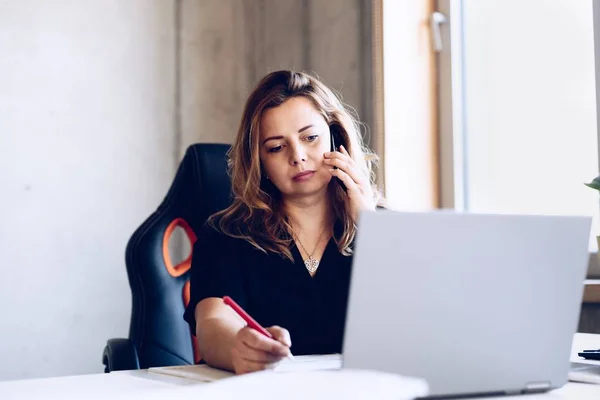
(298, 154)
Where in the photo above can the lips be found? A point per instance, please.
(302, 176)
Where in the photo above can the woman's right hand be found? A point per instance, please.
(253, 351)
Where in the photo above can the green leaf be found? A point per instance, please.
(595, 184)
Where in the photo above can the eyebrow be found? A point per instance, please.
(281, 137)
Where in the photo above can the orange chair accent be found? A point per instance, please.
(184, 266)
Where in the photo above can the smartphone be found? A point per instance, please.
(334, 147)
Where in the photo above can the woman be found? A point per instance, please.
(283, 249)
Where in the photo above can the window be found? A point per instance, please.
(517, 109)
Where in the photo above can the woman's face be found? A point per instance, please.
(293, 139)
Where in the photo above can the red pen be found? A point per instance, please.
(249, 320)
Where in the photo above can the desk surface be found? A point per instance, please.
(572, 390)
(144, 384)
(584, 341)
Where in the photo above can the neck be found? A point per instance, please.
(309, 215)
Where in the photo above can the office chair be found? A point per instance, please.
(158, 335)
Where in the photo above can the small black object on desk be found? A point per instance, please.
(590, 354)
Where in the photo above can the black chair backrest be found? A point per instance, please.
(160, 290)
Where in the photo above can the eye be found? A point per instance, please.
(275, 149)
(312, 138)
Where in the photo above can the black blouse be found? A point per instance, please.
(274, 290)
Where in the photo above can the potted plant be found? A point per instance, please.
(595, 184)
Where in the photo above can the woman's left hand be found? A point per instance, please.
(360, 193)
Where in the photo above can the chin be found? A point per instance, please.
(308, 190)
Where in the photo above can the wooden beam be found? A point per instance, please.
(591, 291)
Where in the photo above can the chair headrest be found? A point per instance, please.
(201, 185)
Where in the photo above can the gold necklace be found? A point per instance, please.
(310, 263)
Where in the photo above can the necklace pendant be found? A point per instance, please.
(311, 264)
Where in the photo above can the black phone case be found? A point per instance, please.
(335, 148)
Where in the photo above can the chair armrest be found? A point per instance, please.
(120, 355)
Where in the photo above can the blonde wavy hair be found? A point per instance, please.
(256, 213)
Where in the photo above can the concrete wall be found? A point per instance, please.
(98, 102)
(227, 46)
(86, 153)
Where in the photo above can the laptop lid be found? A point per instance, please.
(473, 303)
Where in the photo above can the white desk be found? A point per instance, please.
(94, 386)
(146, 385)
(572, 390)
(584, 341)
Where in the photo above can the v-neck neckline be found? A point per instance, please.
(299, 260)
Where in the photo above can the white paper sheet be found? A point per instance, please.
(310, 363)
(202, 373)
(205, 373)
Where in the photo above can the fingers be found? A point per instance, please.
(256, 356)
(344, 151)
(343, 161)
(244, 366)
(253, 351)
(342, 154)
(350, 183)
(338, 162)
(257, 341)
(281, 335)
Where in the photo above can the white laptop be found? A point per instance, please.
(475, 304)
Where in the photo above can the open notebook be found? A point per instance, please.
(205, 373)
